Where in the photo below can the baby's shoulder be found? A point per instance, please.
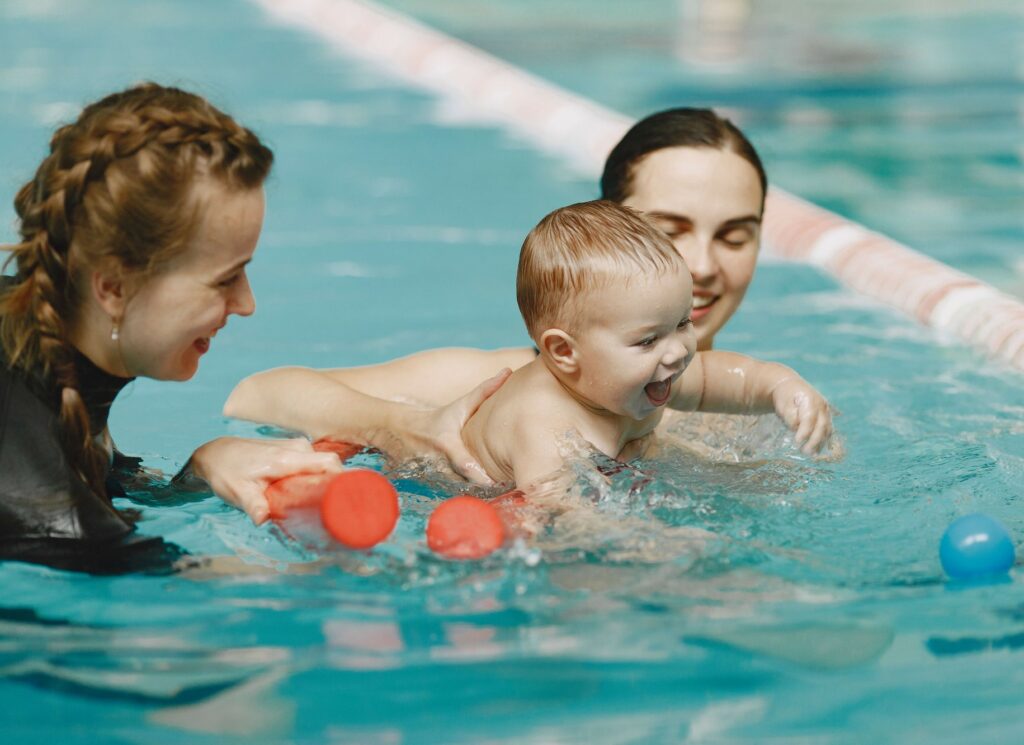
(532, 407)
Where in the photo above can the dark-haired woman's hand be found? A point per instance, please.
(238, 470)
(439, 431)
(311, 401)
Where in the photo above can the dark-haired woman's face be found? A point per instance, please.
(708, 202)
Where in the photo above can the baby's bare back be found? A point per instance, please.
(532, 413)
(530, 401)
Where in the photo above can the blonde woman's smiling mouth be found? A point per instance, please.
(202, 344)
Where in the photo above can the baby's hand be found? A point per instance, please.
(805, 411)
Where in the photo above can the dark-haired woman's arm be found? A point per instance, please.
(319, 405)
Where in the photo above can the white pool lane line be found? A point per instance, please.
(485, 89)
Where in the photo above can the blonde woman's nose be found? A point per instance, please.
(243, 302)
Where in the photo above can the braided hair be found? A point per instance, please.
(118, 184)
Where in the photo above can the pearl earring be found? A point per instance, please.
(115, 332)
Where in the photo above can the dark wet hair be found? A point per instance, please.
(682, 127)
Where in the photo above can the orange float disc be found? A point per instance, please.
(345, 450)
(465, 527)
(510, 500)
(359, 508)
(512, 506)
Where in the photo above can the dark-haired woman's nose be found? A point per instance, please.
(701, 259)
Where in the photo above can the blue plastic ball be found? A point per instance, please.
(976, 546)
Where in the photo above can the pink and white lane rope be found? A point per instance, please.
(576, 129)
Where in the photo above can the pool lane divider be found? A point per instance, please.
(478, 87)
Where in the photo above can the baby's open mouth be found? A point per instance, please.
(658, 393)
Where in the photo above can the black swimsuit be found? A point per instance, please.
(48, 515)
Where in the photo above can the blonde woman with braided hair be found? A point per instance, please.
(135, 235)
(135, 232)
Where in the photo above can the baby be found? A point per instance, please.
(607, 301)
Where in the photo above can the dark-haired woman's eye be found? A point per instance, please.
(735, 238)
(671, 228)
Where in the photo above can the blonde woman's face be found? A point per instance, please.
(708, 202)
(171, 321)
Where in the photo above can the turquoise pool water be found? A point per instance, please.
(819, 615)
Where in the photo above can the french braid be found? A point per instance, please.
(117, 184)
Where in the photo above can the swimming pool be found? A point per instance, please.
(820, 616)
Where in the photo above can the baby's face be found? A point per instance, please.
(708, 201)
(635, 341)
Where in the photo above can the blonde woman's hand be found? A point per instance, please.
(805, 412)
(238, 470)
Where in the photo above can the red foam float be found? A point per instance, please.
(345, 450)
(465, 527)
(306, 490)
(298, 491)
(359, 508)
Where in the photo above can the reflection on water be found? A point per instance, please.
(145, 666)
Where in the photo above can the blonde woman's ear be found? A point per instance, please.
(109, 288)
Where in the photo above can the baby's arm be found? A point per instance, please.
(732, 383)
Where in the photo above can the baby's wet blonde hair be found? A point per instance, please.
(580, 248)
